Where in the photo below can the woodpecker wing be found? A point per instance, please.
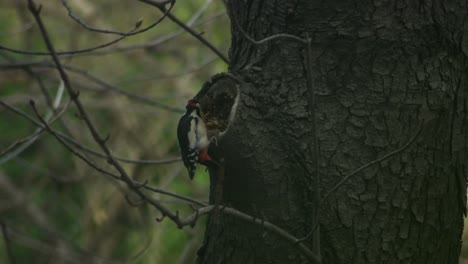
(187, 136)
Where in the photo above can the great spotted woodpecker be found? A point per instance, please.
(193, 139)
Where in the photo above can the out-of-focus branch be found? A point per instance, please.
(7, 240)
(187, 71)
(41, 220)
(99, 51)
(108, 31)
(115, 89)
(24, 28)
(188, 29)
(71, 52)
(20, 145)
(137, 188)
(156, 42)
(65, 254)
(107, 86)
(185, 256)
(73, 151)
(60, 136)
(70, 140)
(35, 11)
(36, 77)
(22, 64)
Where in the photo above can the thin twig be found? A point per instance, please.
(172, 194)
(99, 51)
(132, 184)
(131, 161)
(70, 52)
(20, 145)
(188, 70)
(90, 163)
(108, 31)
(72, 141)
(24, 28)
(22, 64)
(66, 255)
(107, 86)
(188, 29)
(60, 137)
(115, 89)
(73, 151)
(153, 43)
(100, 141)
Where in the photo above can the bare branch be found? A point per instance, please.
(107, 31)
(37, 216)
(188, 29)
(6, 238)
(60, 138)
(50, 130)
(107, 86)
(79, 145)
(20, 145)
(100, 141)
(312, 257)
(137, 185)
(110, 87)
(65, 254)
(97, 49)
(22, 64)
(156, 42)
(188, 70)
(175, 195)
(71, 52)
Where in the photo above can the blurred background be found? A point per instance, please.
(55, 208)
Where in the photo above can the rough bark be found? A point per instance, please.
(382, 69)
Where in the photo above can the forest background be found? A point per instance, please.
(52, 204)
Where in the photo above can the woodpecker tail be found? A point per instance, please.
(190, 164)
(191, 171)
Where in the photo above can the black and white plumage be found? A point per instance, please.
(192, 136)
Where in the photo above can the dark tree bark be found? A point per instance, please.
(381, 71)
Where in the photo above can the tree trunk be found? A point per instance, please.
(382, 70)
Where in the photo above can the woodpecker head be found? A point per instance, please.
(193, 105)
